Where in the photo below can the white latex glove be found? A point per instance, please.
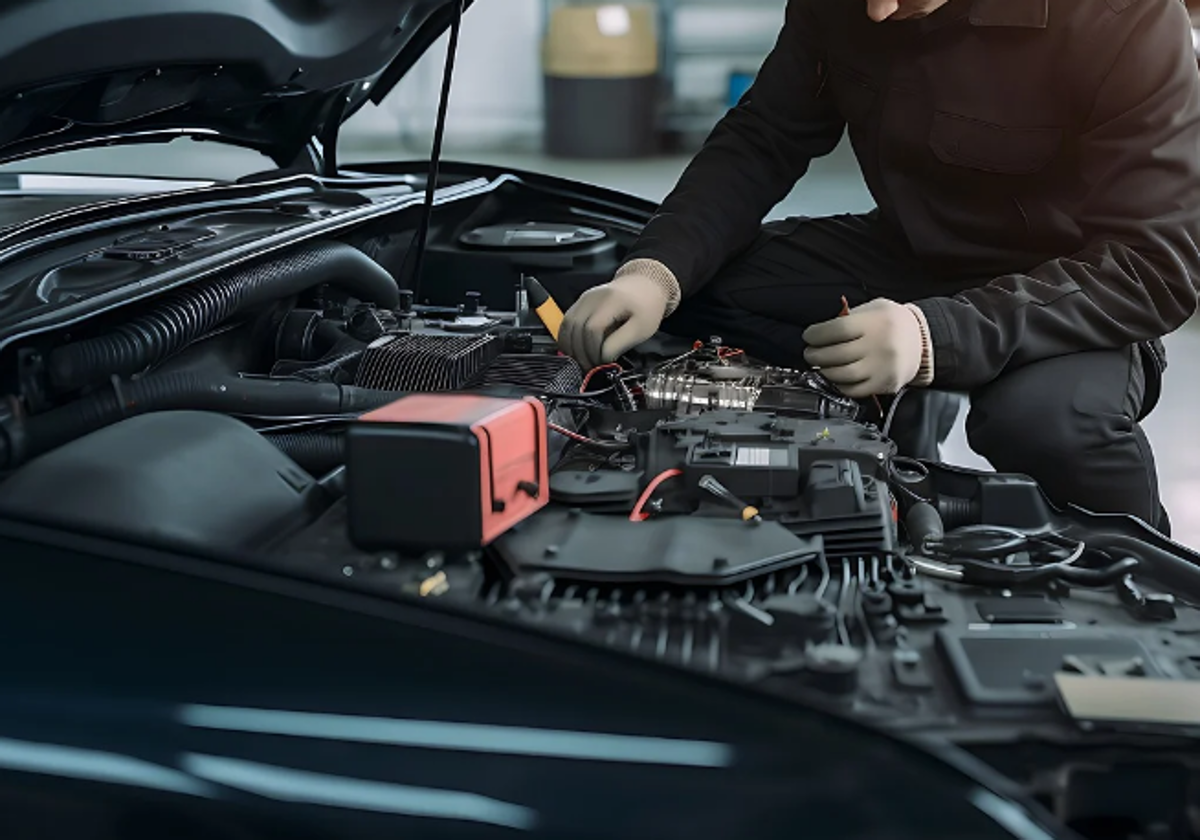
(876, 348)
(609, 320)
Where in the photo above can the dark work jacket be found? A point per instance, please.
(1040, 156)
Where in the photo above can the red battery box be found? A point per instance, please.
(445, 471)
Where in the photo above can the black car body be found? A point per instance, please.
(195, 647)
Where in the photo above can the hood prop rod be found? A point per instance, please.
(417, 249)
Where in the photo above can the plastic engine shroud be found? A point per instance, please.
(819, 484)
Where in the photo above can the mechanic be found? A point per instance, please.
(1036, 170)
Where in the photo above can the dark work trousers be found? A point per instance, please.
(1069, 422)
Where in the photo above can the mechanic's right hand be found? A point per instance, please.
(609, 320)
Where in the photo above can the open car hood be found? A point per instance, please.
(270, 75)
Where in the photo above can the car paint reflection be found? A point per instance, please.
(464, 737)
(1012, 818)
(97, 766)
(206, 775)
(297, 786)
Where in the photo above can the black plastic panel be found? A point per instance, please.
(184, 478)
(697, 550)
(1016, 667)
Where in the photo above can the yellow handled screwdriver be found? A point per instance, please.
(749, 512)
(546, 308)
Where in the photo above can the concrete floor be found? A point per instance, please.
(832, 185)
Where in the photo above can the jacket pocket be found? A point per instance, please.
(1154, 365)
(964, 141)
(1029, 290)
(853, 93)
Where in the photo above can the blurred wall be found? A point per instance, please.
(497, 96)
(721, 38)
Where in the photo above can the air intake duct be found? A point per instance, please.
(189, 312)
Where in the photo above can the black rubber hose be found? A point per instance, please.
(187, 313)
(956, 512)
(1177, 574)
(189, 391)
(317, 452)
(924, 525)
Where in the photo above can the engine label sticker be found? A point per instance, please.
(760, 456)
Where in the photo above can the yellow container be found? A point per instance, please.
(601, 41)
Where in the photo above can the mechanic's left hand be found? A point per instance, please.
(873, 349)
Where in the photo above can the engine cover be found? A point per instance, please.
(765, 455)
(816, 477)
(818, 484)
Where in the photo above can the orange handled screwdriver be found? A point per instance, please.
(545, 306)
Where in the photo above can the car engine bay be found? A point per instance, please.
(698, 508)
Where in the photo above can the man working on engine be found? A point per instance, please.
(1036, 169)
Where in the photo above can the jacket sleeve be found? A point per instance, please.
(750, 161)
(1136, 278)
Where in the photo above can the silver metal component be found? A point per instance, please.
(713, 378)
(522, 306)
(735, 373)
(934, 569)
(692, 393)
